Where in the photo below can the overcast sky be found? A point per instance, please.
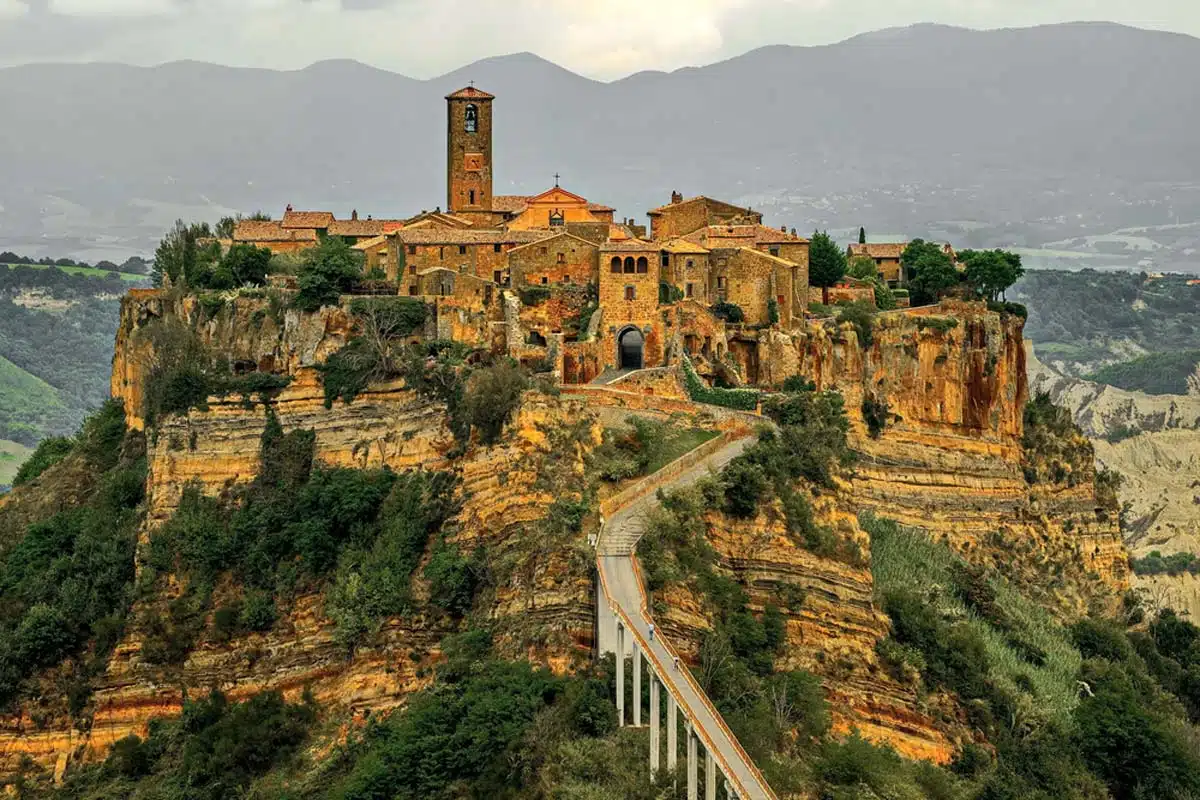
(602, 39)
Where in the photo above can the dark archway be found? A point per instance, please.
(630, 347)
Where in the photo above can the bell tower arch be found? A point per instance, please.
(469, 151)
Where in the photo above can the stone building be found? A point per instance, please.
(629, 301)
(680, 217)
(559, 258)
(886, 256)
(469, 153)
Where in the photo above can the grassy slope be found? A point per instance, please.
(905, 559)
(89, 271)
(25, 400)
(12, 456)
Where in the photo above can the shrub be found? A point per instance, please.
(453, 579)
(491, 399)
(875, 414)
(939, 324)
(862, 316)
(346, 373)
(1009, 309)
(48, 453)
(729, 312)
(533, 295)
(745, 485)
(772, 310)
(741, 399)
(798, 383)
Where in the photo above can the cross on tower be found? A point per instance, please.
(556, 177)
(471, 84)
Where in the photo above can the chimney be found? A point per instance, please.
(783, 228)
(289, 207)
(676, 198)
(793, 231)
(354, 215)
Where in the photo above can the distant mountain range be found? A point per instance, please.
(896, 129)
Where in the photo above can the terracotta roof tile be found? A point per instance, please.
(462, 236)
(628, 246)
(367, 244)
(512, 203)
(600, 207)
(255, 231)
(878, 249)
(738, 235)
(307, 219)
(356, 227)
(684, 247)
(470, 93)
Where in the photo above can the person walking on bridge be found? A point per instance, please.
(652, 631)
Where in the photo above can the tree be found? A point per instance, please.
(243, 264)
(226, 226)
(862, 235)
(328, 270)
(863, 268)
(826, 263)
(929, 270)
(991, 272)
(180, 255)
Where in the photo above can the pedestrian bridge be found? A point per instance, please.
(624, 630)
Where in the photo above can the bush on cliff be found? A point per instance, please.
(67, 582)
(740, 399)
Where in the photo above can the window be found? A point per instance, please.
(666, 259)
(630, 293)
(630, 267)
(412, 269)
(542, 251)
(616, 263)
(412, 249)
(690, 263)
(643, 265)
(442, 253)
(775, 251)
(497, 277)
(496, 248)
(412, 290)
(562, 258)
(557, 219)
(720, 283)
(545, 280)
(462, 249)
(472, 119)
(472, 197)
(689, 291)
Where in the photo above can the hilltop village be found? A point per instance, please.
(556, 278)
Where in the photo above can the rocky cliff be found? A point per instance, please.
(948, 459)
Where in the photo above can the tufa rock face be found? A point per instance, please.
(949, 459)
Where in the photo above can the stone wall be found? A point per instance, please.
(563, 259)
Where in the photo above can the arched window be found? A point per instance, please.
(472, 118)
(616, 263)
(629, 265)
(643, 265)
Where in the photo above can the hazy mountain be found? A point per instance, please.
(1010, 125)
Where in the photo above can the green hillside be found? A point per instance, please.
(1155, 373)
(28, 405)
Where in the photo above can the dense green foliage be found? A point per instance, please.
(1080, 713)
(645, 447)
(374, 354)
(48, 453)
(741, 399)
(1154, 373)
(991, 272)
(1055, 450)
(929, 271)
(729, 312)
(185, 374)
(67, 581)
(826, 261)
(1155, 563)
(862, 316)
(213, 751)
(1087, 318)
(296, 526)
(327, 271)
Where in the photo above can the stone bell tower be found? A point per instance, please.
(469, 151)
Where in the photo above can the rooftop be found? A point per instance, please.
(307, 219)
(433, 235)
(249, 230)
(878, 249)
(470, 93)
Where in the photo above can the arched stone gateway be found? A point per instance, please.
(630, 348)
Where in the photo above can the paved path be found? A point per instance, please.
(617, 542)
(610, 375)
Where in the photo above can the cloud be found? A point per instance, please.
(600, 38)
